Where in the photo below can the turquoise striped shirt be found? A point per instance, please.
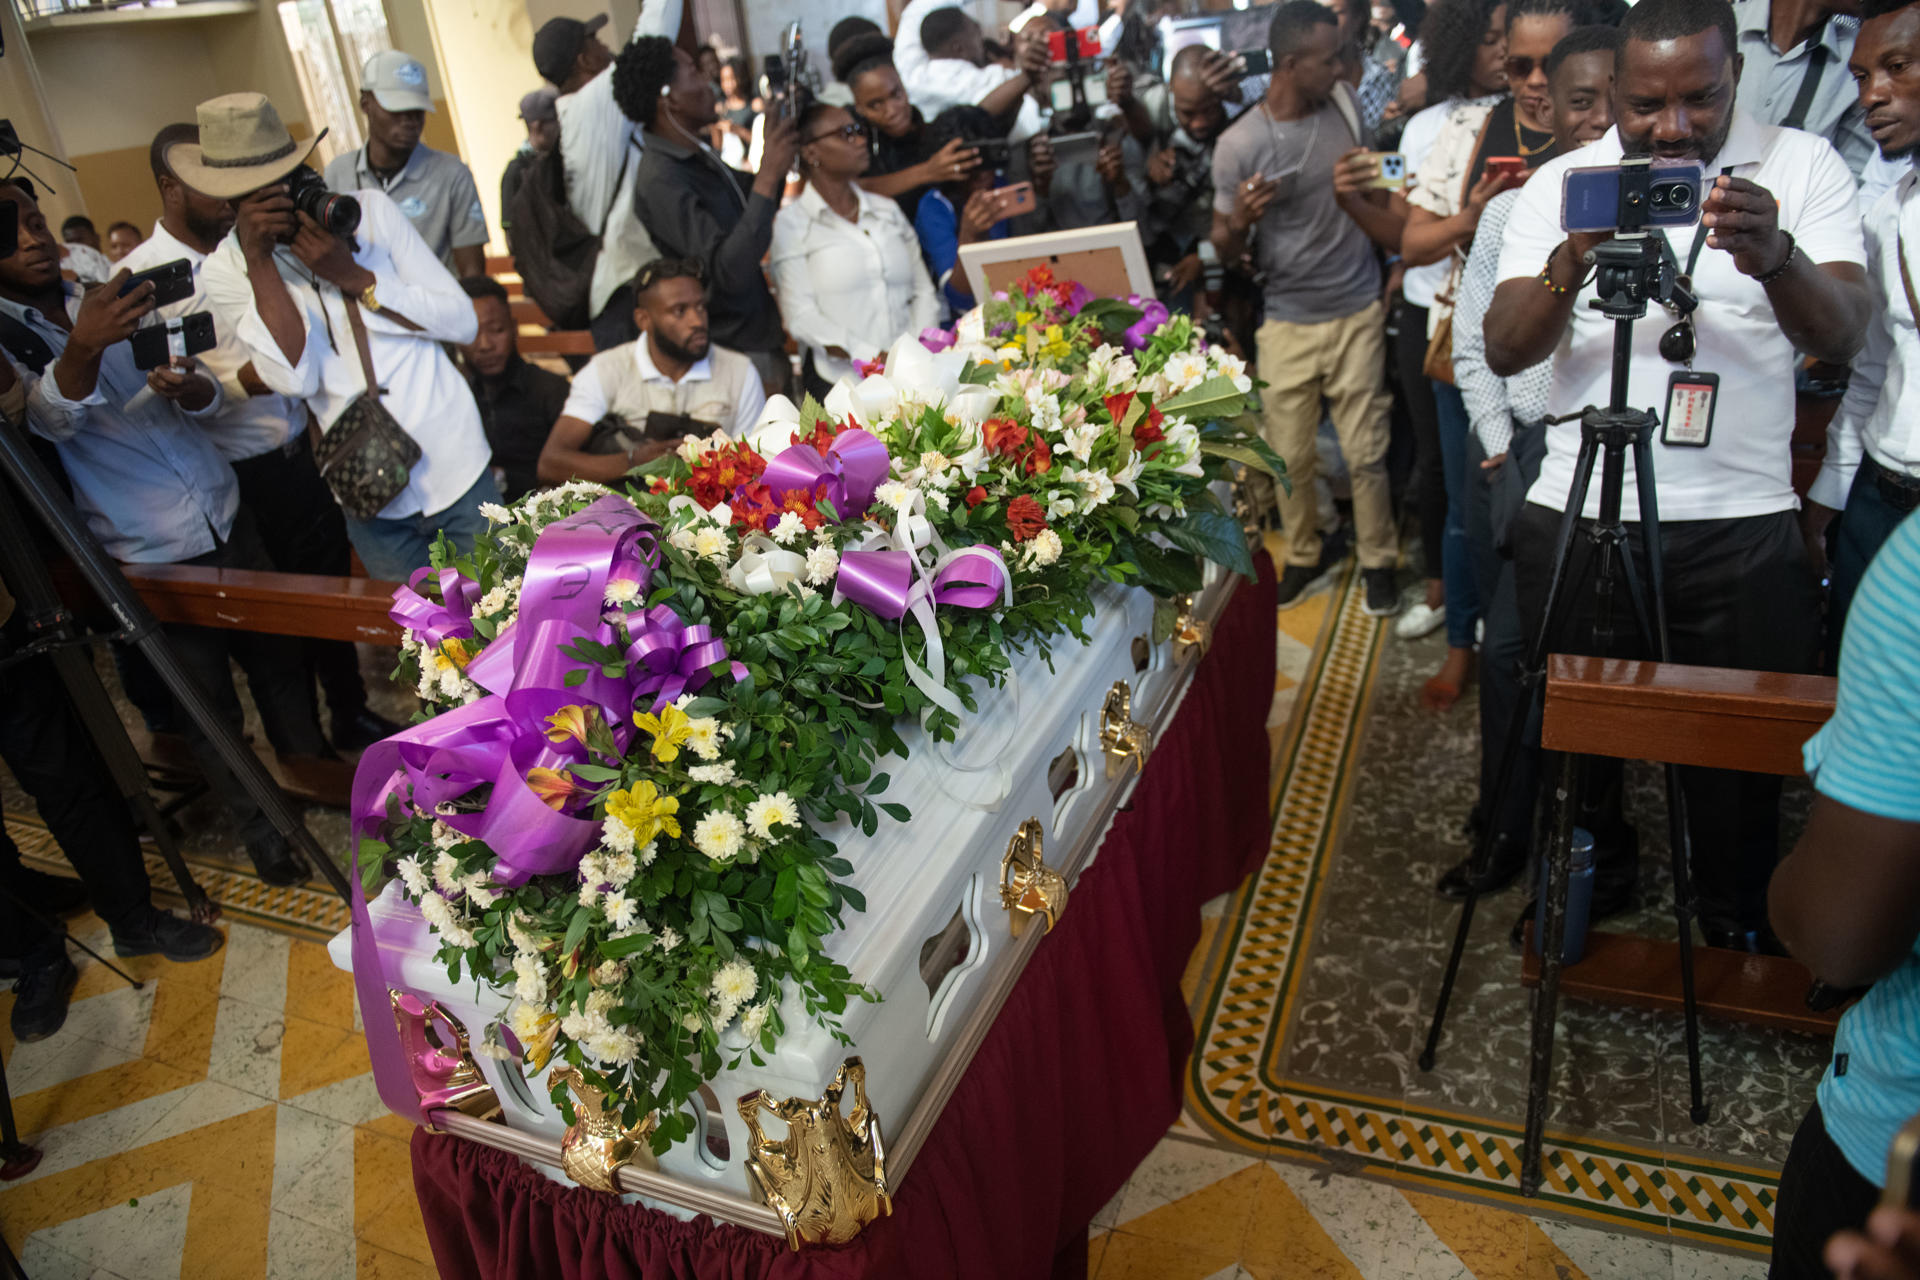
(1868, 758)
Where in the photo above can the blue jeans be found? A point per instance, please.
(1456, 552)
(393, 549)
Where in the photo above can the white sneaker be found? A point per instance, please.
(1419, 619)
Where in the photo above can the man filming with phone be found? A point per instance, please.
(349, 321)
(1775, 262)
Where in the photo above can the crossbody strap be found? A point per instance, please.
(1906, 278)
(1809, 80)
(359, 328)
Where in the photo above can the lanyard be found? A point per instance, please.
(1809, 79)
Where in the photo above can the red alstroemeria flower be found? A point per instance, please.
(1039, 459)
(976, 496)
(555, 787)
(1025, 518)
(720, 471)
(1117, 406)
(1003, 436)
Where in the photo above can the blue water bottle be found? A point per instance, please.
(1579, 901)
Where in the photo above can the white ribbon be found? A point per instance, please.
(763, 567)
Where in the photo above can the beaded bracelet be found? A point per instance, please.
(1546, 275)
(1792, 249)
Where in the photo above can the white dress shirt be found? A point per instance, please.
(1771, 80)
(1745, 470)
(909, 55)
(721, 387)
(146, 478)
(1872, 418)
(953, 82)
(424, 392)
(245, 426)
(854, 285)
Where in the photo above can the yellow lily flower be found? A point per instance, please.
(669, 729)
(644, 811)
(457, 651)
(554, 786)
(570, 723)
(538, 1051)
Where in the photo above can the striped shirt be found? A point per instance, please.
(1868, 758)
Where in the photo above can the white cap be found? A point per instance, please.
(397, 81)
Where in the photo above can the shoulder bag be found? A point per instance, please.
(366, 456)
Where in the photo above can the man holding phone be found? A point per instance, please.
(153, 489)
(1776, 265)
(1315, 247)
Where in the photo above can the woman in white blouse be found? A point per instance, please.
(846, 264)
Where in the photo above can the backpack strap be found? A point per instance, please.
(1348, 104)
(24, 345)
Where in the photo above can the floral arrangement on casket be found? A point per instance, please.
(643, 708)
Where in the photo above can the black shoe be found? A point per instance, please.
(1383, 597)
(178, 940)
(1293, 584)
(1758, 942)
(276, 861)
(1504, 865)
(362, 730)
(54, 895)
(40, 999)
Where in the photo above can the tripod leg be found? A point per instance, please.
(1559, 591)
(200, 907)
(1546, 997)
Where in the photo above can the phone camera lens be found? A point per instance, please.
(1681, 196)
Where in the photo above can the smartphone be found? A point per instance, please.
(1284, 185)
(1075, 148)
(994, 152)
(1016, 199)
(1259, 62)
(1506, 164)
(172, 281)
(1390, 171)
(1073, 46)
(153, 345)
(1590, 198)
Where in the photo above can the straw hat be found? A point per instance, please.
(243, 147)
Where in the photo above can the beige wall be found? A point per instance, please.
(483, 48)
(23, 102)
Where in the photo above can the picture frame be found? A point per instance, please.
(1109, 260)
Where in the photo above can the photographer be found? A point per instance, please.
(905, 164)
(1775, 264)
(1288, 168)
(1176, 175)
(300, 297)
(154, 490)
(957, 74)
(700, 209)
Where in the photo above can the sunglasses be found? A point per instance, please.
(1678, 344)
(851, 130)
(1519, 69)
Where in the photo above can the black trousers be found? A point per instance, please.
(1862, 529)
(44, 742)
(614, 325)
(1429, 473)
(1503, 652)
(1740, 593)
(1820, 1193)
(276, 671)
(301, 527)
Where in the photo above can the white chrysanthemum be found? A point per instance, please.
(1044, 548)
(719, 835)
(611, 1046)
(939, 498)
(609, 973)
(681, 538)
(789, 528)
(479, 889)
(669, 938)
(621, 868)
(520, 933)
(735, 983)
(894, 494)
(617, 835)
(446, 872)
(621, 910)
(530, 976)
(710, 544)
(703, 736)
(494, 601)
(647, 854)
(414, 877)
(441, 918)
(589, 895)
(692, 1020)
(753, 1020)
(718, 774)
(496, 513)
(823, 562)
(769, 811)
(622, 590)
(527, 1020)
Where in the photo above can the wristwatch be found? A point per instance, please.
(368, 301)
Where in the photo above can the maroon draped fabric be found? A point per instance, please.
(1076, 1082)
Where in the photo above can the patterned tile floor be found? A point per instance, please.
(222, 1121)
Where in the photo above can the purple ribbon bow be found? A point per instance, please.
(676, 657)
(855, 465)
(437, 623)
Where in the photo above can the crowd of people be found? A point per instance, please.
(1425, 347)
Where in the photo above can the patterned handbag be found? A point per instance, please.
(366, 456)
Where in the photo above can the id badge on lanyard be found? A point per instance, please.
(1688, 422)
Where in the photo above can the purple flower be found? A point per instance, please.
(1077, 298)
(937, 339)
(1153, 314)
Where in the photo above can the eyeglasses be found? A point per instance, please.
(1678, 344)
(851, 130)
(1518, 68)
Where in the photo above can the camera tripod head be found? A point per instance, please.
(1634, 269)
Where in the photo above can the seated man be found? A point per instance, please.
(635, 402)
(154, 490)
(519, 402)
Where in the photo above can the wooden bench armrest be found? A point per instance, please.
(1755, 721)
(288, 604)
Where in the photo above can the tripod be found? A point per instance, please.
(1632, 270)
(59, 638)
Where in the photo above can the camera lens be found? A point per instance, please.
(1680, 196)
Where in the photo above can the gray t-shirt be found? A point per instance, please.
(1318, 264)
(435, 191)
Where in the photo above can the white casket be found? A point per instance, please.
(936, 940)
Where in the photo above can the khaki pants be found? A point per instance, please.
(1344, 362)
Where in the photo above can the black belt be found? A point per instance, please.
(1901, 492)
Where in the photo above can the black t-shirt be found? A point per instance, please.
(1505, 134)
(891, 155)
(517, 411)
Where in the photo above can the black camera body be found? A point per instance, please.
(789, 83)
(337, 213)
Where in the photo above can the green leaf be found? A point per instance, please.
(576, 930)
(898, 812)
(1217, 397)
(1167, 573)
(1216, 536)
(595, 772)
(577, 676)
(1262, 460)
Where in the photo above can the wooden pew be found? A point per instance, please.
(1754, 721)
(288, 604)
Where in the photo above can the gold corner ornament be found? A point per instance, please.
(1028, 886)
(1190, 634)
(445, 1075)
(827, 1178)
(596, 1145)
(1121, 737)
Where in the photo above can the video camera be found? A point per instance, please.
(789, 83)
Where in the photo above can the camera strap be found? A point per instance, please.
(1809, 80)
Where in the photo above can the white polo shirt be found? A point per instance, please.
(1746, 468)
(721, 387)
